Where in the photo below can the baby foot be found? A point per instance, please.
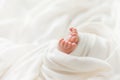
(73, 37)
(66, 46)
(70, 44)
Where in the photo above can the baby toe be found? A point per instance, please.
(62, 42)
(69, 45)
(76, 40)
(73, 30)
(73, 39)
(65, 44)
(74, 45)
(74, 34)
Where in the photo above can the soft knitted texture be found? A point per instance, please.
(92, 45)
(64, 66)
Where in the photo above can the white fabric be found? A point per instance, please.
(90, 51)
(93, 45)
(70, 67)
(28, 26)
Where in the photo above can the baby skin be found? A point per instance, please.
(68, 45)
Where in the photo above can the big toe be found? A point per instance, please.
(61, 42)
(73, 30)
(74, 45)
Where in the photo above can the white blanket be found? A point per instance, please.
(28, 26)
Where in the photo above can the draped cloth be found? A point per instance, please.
(28, 29)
